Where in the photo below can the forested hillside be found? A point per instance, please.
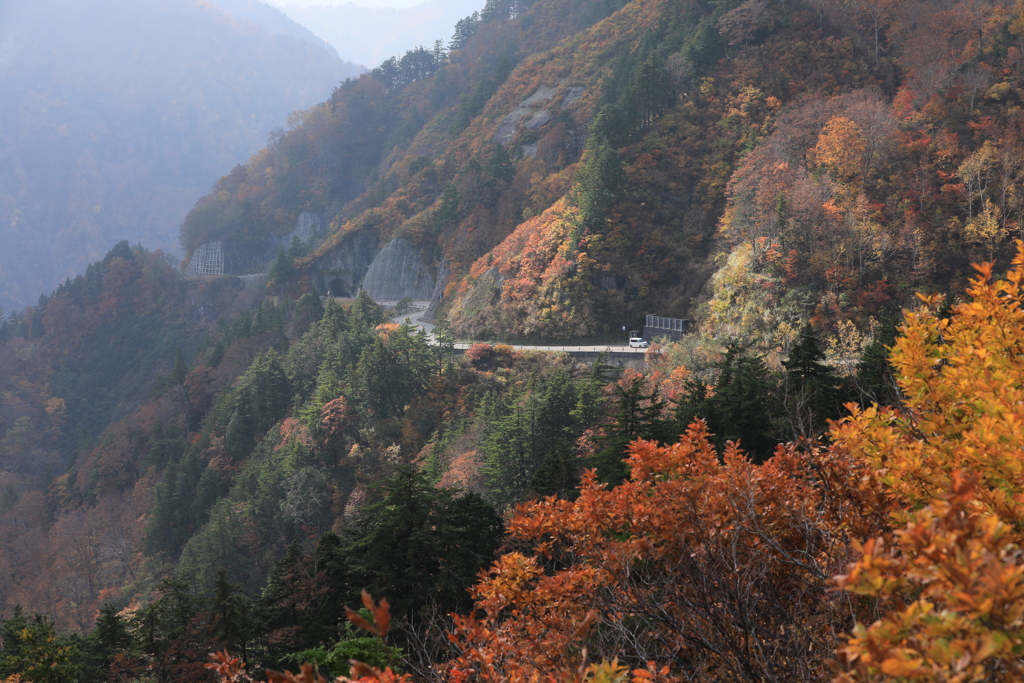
(225, 463)
(116, 114)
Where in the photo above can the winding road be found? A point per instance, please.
(415, 318)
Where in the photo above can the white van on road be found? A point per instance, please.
(638, 343)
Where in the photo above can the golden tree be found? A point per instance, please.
(952, 460)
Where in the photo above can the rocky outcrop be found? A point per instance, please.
(535, 112)
(340, 271)
(398, 272)
(444, 272)
(306, 229)
(527, 110)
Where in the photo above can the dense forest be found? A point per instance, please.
(822, 481)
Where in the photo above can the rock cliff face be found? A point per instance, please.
(340, 271)
(398, 272)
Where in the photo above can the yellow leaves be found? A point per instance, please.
(841, 147)
(904, 663)
(952, 460)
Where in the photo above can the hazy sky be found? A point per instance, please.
(360, 3)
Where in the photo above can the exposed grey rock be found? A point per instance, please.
(444, 272)
(530, 150)
(398, 272)
(539, 119)
(572, 95)
(306, 228)
(341, 270)
(508, 126)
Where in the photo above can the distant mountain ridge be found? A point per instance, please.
(272, 20)
(369, 35)
(116, 114)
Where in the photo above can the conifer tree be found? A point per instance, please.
(811, 389)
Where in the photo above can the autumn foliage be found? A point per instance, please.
(951, 458)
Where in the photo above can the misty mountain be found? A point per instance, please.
(116, 114)
(369, 35)
(272, 20)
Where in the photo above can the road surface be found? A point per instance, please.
(415, 319)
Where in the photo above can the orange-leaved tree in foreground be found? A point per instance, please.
(953, 459)
(716, 567)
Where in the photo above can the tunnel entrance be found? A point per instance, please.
(338, 288)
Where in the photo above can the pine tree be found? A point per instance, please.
(811, 389)
(876, 379)
(639, 416)
(230, 611)
(740, 409)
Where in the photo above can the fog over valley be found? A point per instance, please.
(117, 114)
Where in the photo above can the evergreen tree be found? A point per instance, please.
(109, 638)
(281, 269)
(308, 310)
(811, 389)
(464, 30)
(365, 314)
(639, 416)
(421, 545)
(230, 612)
(739, 408)
(876, 379)
(598, 183)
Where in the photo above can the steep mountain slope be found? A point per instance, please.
(783, 173)
(116, 114)
(705, 128)
(272, 20)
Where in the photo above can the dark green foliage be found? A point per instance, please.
(365, 313)
(337, 660)
(464, 30)
(522, 432)
(308, 310)
(811, 391)
(109, 638)
(172, 632)
(875, 379)
(415, 65)
(559, 474)
(183, 499)
(639, 416)
(422, 546)
(389, 374)
(32, 648)
(165, 445)
(281, 269)
(230, 612)
(598, 185)
(740, 408)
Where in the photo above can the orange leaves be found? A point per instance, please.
(676, 564)
(952, 462)
(969, 585)
(963, 383)
(381, 616)
(841, 147)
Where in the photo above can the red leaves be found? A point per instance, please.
(679, 547)
(381, 616)
(231, 670)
